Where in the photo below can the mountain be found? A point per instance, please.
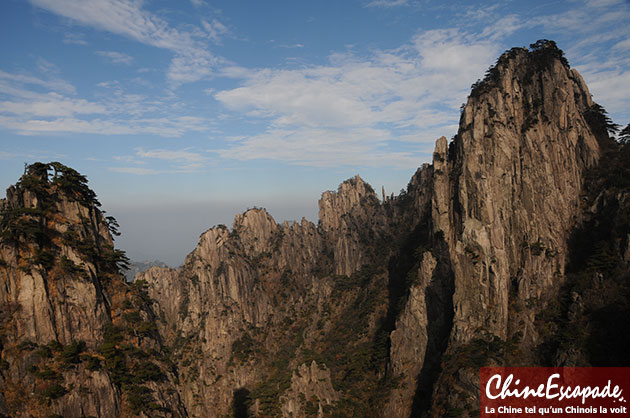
(136, 267)
(75, 339)
(511, 248)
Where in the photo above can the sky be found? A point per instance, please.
(183, 113)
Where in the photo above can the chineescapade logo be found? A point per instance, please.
(554, 391)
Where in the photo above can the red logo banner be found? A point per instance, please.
(554, 391)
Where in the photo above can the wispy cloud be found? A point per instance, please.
(387, 3)
(321, 148)
(184, 155)
(140, 171)
(53, 105)
(191, 62)
(169, 161)
(291, 46)
(74, 39)
(115, 57)
(9, 80)
(99, 126)
(38, 155)
(29, 107)
(215, 30)
(350, 110)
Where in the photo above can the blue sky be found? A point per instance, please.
(182, 113)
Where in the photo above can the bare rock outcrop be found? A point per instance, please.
(409, 341)
(311, 390)
(507, 193)
(517, 174)
(350, 218)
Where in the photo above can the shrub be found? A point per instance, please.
(139, 397)
(68, 266)
(54, 345)
(92, 363)
(45, 258)
(71, 352)
(148, 370)
(27, 345)
(46, 373)
(243, 347)
(54, 391)
(147, 329)
(133, 317)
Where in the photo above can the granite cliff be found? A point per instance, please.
(510, 248)
(75, 339)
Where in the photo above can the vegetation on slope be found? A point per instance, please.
(38, 225)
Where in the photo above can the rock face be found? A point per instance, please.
(311, 390)
(139, 266)
(241, 295)
(511, 248)
(410, 339)
(344, 216)
(63, 306)
(507, 195)
(523, 139)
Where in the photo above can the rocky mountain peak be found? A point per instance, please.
(350, 194)
(507, 193)
(66, 310)
(256, 228)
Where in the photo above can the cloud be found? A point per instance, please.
(40, 155)
(140, 171)
(191, 62)
(8, 81)
(503, 27)
(46, 67)
(28, 111)
(171, 155)
(623, 45)
(597, 17)
(177, 161)
(350, 110)
(291, 46)
(191, 67)
(111, 126)
(387, 3)
(322, 148)
(215, 29)
(52, 105)
(408, 96)
(603, 3)
(74, 39)
(115, 57)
